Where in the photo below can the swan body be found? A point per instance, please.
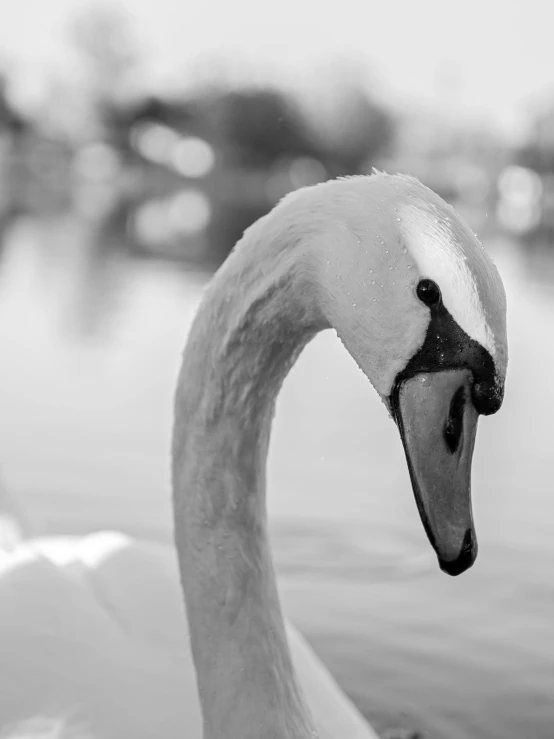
(93, 644)
(421, 308)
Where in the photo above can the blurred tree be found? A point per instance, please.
(260, 127)
(11, 120)
(102, 37)
(266, 141)
(353, 127)
(366, 132)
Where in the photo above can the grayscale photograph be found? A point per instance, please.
(276, 328)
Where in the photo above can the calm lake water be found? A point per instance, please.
(91, 339)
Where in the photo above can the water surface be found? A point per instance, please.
(91, 338)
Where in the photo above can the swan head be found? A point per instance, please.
(421, 307)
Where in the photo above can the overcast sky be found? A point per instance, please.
(479, 57)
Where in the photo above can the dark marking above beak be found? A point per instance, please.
(447, 347)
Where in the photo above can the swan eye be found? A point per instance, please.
(428, 292)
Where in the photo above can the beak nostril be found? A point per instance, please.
(455, 423)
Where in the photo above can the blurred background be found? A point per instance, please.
(138, 139)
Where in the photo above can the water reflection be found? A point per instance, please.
(92, 326)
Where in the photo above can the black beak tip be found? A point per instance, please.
(464, 560)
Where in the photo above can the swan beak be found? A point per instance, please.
(438, 423)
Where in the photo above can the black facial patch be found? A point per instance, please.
(447, 347)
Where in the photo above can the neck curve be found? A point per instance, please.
(256, 317)
(333, 256)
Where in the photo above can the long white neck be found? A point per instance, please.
(255, 319)
(334, 256)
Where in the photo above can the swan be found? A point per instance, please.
(93, 629)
